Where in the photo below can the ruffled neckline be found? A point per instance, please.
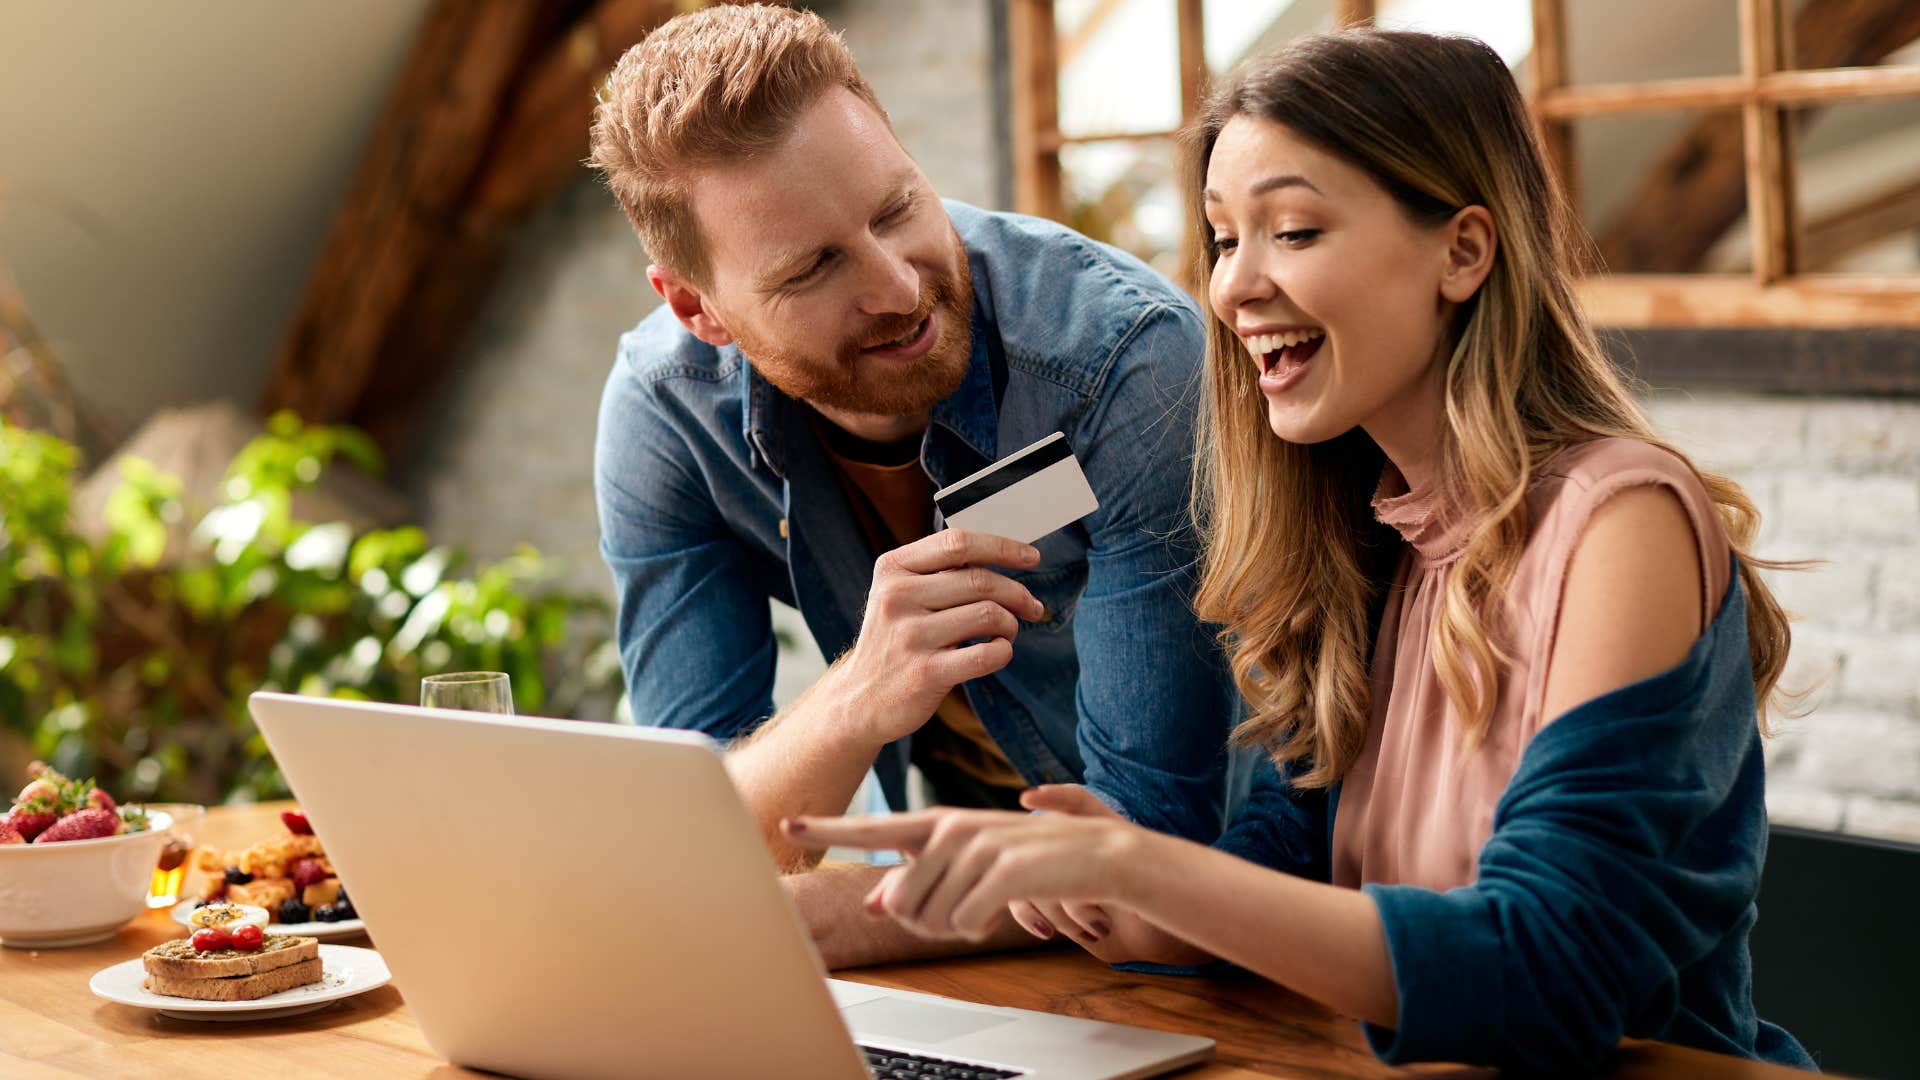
(1424, 518)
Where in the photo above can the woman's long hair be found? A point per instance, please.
(1294, 559)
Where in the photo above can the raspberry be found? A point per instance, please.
(296, 822)
(308, 871)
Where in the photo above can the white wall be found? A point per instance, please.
(167, 175)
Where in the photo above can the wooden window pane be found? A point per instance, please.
(1506, 25)
(1849, 33)
(1675, 39)
(1127, 194)
(1857, 187)
(1119, 67)
(1665, 192)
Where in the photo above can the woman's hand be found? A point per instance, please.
(1113, 934)
(966, 866)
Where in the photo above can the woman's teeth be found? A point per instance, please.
(1263, 345)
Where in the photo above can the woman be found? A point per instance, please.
(1502, 646)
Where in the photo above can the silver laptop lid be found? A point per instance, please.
(559, 898)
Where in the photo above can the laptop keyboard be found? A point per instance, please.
(894, 1065)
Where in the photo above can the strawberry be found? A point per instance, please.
(9, 834)
(98, 799)
(31, 819)
(296, 822)
(39, 789)
(81, 825)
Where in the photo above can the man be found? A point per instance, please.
(835, 345)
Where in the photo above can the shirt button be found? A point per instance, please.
(783, 528)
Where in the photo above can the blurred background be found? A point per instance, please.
(304, 312)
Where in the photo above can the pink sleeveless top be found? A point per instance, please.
(1412, 809)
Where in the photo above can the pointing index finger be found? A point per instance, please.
(885, 832)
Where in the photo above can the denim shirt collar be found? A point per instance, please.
(971, 413)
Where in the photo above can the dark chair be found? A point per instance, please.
(1836, 953)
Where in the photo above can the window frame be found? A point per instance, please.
(1773, 294)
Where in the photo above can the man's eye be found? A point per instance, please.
(813, 271)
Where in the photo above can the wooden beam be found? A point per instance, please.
(1034, 44)
(1834, 235)
(1769, 167)
(1191, 20)
(417, 167)
(1806, 300)
(489, 119)
(1070, 44)
(1695, 191)
(1547, 75)
(536, 151)
(1786, 88)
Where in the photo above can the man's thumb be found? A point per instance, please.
(1062, 799)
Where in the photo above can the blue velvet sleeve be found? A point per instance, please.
(1615, 893)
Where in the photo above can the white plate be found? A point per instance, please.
(183, 914)
(345, 971)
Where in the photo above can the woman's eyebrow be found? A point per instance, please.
(1271, 183)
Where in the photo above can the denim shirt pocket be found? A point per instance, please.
(1058, 589)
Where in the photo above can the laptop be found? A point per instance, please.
(558, 898)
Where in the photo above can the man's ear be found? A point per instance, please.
(689, 306)
(1471, 243)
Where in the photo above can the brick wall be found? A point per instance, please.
(1836, 479)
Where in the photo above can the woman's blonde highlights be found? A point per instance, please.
(1295, 564)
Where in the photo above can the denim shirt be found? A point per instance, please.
(715, 494)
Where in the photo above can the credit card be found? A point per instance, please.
(1022, 497)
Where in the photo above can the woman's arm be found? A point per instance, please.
(1322, 941)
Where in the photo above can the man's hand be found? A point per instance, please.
(926, 598)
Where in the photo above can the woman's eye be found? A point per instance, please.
(1222, 244)
(1297, 237)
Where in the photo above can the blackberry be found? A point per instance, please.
(292, 911)
(344, 907)
(326, 913)
(237, 876)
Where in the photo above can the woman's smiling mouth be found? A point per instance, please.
(1283, 355)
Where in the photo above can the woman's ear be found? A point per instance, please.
(1471, 242)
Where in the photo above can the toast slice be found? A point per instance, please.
(238, 988)
(176, 959)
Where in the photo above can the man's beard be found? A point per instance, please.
(856, 383)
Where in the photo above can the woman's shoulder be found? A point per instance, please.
(1599, 463)
(1572, 484)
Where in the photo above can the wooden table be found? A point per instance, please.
(51, 1025)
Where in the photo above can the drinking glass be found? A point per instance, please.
(474, 691)
(172, 866)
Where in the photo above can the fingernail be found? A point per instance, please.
(1042, 927)
(1032, 554)
(794, 825)
(1099, 929)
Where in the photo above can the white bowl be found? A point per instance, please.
(78, 891)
